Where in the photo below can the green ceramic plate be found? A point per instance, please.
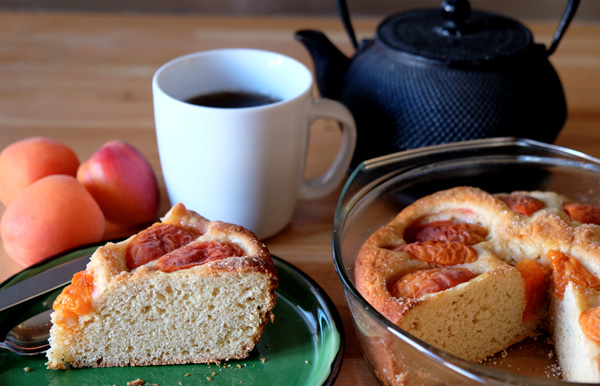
(303, 347)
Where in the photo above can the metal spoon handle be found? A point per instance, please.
(25, 351)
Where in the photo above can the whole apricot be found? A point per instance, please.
(123, 183)
(26, 161)
(52, 215)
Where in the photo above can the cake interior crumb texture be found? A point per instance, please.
(187, 318)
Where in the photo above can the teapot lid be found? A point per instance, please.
(455, 35)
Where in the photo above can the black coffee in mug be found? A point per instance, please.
(231, 99)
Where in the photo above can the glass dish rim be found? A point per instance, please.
(474, 371)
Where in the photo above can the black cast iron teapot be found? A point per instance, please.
(433, 76)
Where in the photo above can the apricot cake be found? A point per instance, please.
(473, 273)
(185, 290)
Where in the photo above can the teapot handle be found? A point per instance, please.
(562, 26)
(345, 15)
(560, 31)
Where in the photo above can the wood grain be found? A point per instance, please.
(85, 79)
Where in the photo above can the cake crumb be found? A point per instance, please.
(263, 360)
(209, 378)
(239, 366)
(137, 382)
(26, 369)
(553, 371)
(187, 375)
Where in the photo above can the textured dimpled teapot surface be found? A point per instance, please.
(409, 103)
(482, 38)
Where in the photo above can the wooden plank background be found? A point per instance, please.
(589, 10)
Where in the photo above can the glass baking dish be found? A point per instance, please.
(379, 188)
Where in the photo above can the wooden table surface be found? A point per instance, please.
(85, 79)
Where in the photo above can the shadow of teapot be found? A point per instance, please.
(432, 76)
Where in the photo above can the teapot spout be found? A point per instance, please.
(330, 63)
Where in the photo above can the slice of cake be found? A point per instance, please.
(185, 290)
(579, 355)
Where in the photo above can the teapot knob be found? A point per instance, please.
(455, 12)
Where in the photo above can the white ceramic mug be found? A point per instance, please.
(243, 165)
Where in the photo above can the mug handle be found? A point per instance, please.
(329, 180)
